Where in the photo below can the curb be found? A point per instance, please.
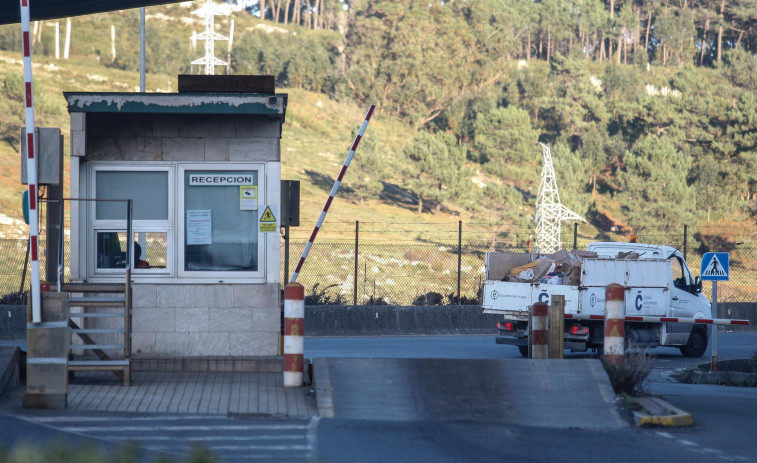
(657, 412)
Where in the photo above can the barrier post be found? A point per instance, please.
(614, 342)
(557, 327)
(539, 334)
(294, 334)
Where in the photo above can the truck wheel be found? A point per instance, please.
(523, 350)
(696, 346)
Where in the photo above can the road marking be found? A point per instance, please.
(182, 428)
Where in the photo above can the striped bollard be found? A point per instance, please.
(539, 333)
(294, 334)
(614, 343)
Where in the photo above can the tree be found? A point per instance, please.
(654, 182)
(436, 169)
(416, 59)
(504, 138)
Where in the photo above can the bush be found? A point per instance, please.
(629, 378)
(324, 296)
(14, 299)
(430, 298)
(14, 86)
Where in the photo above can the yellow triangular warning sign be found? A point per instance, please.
(268, 215)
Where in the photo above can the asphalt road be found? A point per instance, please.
(731, 345)
(724, 420)
(724, 417)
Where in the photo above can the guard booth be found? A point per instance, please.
(202, 170)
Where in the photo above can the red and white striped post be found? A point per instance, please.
(31, 164)
(539, 333)
(294, 334)
(334, 189)
(614, 343)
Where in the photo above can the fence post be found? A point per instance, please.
(459, 255)
(294, 334)
(539, 335)
(614, 342)
(354, 289)
(575, 235)
(557, 327)
(685, 239)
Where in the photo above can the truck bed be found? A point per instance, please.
(647, 282)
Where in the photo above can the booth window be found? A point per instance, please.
(149, 189)
(220, 227)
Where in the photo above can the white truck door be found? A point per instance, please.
(684, 302)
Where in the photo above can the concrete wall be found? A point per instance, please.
(398, 320)
(172, 320)
(739, 310)
(184, 137)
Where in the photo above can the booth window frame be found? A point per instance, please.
(260, 170)
(165, 226)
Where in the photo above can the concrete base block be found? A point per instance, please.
(45, 401)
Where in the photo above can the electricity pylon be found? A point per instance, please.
(550, 212)
(209, 11)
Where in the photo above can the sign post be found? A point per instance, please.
(715, 268)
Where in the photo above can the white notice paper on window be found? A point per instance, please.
(199, 227)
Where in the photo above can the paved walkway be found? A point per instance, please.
(213, 393)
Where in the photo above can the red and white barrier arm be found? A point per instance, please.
(334, 189)
(31, 164)
(647, 319)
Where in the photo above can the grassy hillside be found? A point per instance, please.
(317, 136)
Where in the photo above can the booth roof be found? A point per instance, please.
(178, 103)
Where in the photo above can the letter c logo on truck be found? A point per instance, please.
(638, 301)
(544, 297)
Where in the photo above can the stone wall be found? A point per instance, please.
(183, 137)
(174, 320)
(398, 320)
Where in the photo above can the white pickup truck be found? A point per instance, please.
(657, 280)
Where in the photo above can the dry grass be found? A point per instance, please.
(629, 378)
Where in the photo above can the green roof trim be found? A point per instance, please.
(178, 103)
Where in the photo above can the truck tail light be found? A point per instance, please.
(507, 326)
(579, 330)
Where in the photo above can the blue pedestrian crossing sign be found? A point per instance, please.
(715, 266)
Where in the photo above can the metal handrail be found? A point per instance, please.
(61, 253)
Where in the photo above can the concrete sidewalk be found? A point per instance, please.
(170, 386)
(213, 393)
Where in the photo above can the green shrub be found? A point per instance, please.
(14, 86)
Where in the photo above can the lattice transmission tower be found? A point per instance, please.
(209, 10)
(550, 212)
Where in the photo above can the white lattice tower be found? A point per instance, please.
(210, 11)
(550, 212)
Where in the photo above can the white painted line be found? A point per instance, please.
(313, 437)
(179, 428)
(280, 448)
(97, 419)
(201, 438)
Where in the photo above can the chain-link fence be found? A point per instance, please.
(13, 262)
(428, 271)
(431, 273)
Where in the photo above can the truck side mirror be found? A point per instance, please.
(698, 284)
